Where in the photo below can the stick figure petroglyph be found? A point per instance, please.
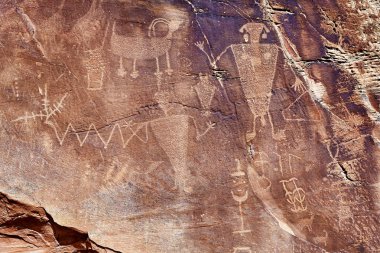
(146, 48)
(294, 195)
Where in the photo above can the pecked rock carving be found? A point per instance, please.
(145, 48)
(189, 126)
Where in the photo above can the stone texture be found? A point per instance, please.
(189, 126)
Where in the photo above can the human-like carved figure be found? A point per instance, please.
(256, 63)
(172, 133)
(146, 48)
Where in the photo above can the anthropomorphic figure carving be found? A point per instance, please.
(256, 63)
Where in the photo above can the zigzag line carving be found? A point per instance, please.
(116, 129)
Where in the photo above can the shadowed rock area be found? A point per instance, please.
(189, 126)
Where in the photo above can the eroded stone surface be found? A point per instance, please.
(191, 126)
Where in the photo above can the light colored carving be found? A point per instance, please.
(291, 158)
(263, 159)
(278, 136)
(240, 195)
(121, 70)
(307, 223)
(242, 250)
(294, 195)
(93, 61)
(205, 91)
(48, 110)
(257, 66)
(82, 136)
(172, 134)
(321, 239)
(344, 214)
(298, 85)
(119, 173)
(146, 48)
(95, 66)
(286, 112)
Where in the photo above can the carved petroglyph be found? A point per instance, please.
(321, 239)
(345, 216)
(298, 85)
(48, 110)
(95, 66)
(171, 132)
(93, 61)
(257, 66)
(121, 70)
(13, 92)
(263, 160)
(278, 136)
(32, 29)
(307, 223)
(240, 194)
(205, 91)
(172, 135)
(333, 166)
(146, 48)
(212, 60)
(242, 250)
(82, 136)
(119, 173)
(291, 158)
(185, 64)
(294, 195)
(279, 157)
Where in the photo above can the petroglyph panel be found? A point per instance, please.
(189, 126)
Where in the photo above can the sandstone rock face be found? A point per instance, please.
(189, 126)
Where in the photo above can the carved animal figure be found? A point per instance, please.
(321, 239)
(307, 222)
(145, 48)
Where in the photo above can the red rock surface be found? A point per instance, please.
(189, 126)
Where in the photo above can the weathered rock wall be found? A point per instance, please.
(189, 126)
